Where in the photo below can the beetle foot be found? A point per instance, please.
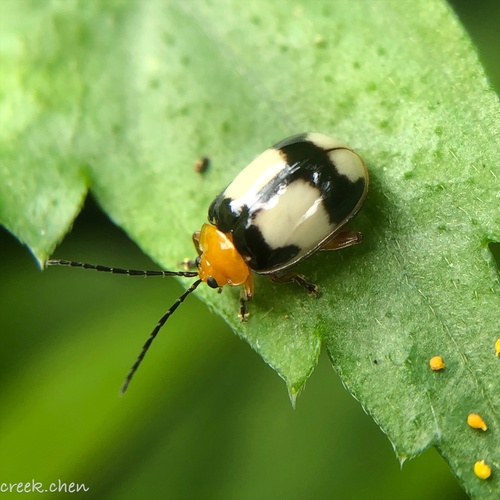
(311, 289)
(243, 314)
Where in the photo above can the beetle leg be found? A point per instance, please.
(243, 314)
(246, 295)
(196, 242)
(300, 279)
(189, 264)
(343, 239)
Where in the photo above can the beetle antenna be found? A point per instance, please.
(117, 270)
(154, 333)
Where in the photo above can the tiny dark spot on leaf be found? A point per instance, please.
(346, 103)
(408, 175)
(438, 131)
(384, 124)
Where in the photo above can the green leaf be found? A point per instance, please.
(123, 98)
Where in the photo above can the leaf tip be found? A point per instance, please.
(41, 260)
(294, 392)
(402, 459)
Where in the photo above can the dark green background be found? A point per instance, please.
(205, 417)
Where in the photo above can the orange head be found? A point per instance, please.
(220, 263)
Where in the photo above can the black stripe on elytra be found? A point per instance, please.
(219, 211)
(250, 243)
(247, 238)
(220, 214)
(311, 163)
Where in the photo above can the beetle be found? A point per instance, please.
(293, 200)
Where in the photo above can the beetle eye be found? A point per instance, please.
(197, 261)
(212, 283)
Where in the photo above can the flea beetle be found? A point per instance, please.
(290, 202)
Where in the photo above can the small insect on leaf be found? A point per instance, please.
(436, 363)
(482, 470)
(201, 165)
(476, 422)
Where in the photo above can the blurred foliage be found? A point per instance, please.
(206, 419)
